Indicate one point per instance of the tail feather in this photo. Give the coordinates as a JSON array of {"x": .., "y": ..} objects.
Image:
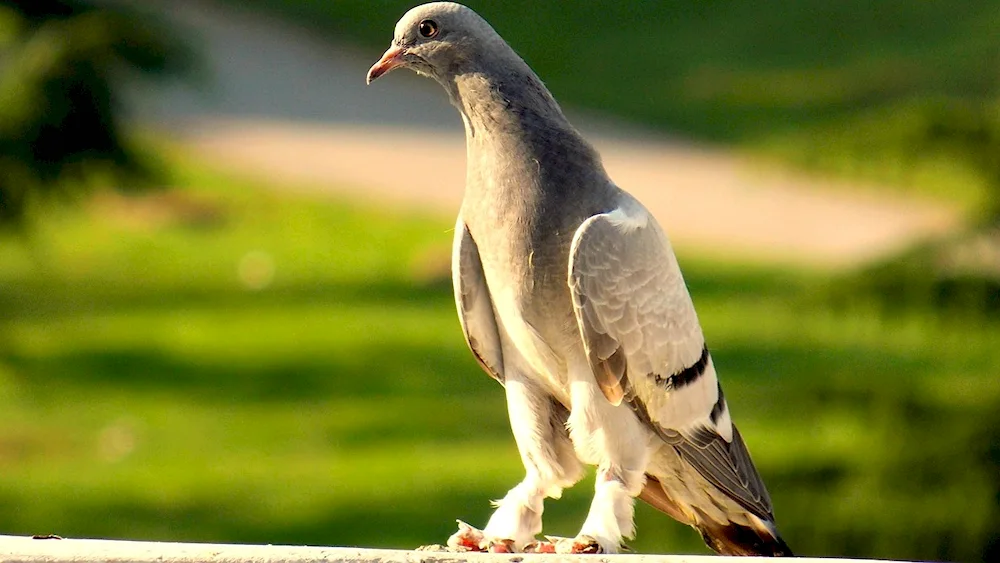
[
  {"x": 656, "y": 497},
  {"x": 736, "y": 539},
  {"x": 727, "y": 538}
]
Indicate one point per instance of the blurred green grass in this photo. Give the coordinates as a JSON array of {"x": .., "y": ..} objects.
[
  {"x": 830, "y": 86},
  {"x": 228, "y": 362}
]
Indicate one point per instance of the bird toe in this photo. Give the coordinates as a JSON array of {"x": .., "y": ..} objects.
[
  {"x": 586, "y": 544},
  {"x": 539, "y": 546},
  {"x": 467, "y": 538},
  {"x": 495, "y": 545}
]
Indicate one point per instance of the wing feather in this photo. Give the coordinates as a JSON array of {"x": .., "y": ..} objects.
[
  {"x": 646, "y": 347},
  {"x": 475, "y": 308}
]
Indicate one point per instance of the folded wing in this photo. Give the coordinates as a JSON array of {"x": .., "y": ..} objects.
[
  {"x": 475, "y": 308},
  {"x": 646, "y": 347}
]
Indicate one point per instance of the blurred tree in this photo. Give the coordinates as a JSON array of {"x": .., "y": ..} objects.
[
  {"x": 62, "y": 65},
  {"x": 968, "y": 131}
]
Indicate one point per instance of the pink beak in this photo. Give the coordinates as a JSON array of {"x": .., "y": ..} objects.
[{"x": 392, "y": 58}]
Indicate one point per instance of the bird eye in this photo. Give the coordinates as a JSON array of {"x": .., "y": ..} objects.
[{"x": 427, "y": 29}]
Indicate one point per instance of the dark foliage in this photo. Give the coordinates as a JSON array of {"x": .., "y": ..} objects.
[
  {"x": 969, "y": 131},
  {"x": 62, "y": 66}
]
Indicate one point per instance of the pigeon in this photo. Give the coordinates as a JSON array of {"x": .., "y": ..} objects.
[{"x": 569, "y": 294}]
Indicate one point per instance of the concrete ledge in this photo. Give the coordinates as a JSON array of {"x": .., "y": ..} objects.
[{"x": 15, "y": 549}]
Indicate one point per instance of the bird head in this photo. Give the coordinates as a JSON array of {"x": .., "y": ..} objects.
[{"x": 440, "y": 40}]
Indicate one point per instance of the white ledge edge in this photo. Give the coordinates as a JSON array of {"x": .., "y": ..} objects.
[{"x": 17, "y": 549}]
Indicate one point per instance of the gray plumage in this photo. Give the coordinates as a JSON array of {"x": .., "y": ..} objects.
[{"x": 570, "y": 295}]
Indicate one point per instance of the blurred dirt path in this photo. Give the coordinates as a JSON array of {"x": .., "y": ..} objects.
[{"x": 289, "y": 106}]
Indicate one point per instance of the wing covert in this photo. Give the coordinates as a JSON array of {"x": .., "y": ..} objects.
[
  {"x": 632, "y": 307},
  {"x": 475, "y": 308}
]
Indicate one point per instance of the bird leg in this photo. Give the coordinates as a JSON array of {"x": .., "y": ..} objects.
[
  {"x": 514, "y": 523},
  {"x": 611, "y": 512},
  {"x": 611, "y": 437},
  {"x": 539, "y": 426},
  {"x": 469, "y": 538},
  {"x": 610, "y": 519}
]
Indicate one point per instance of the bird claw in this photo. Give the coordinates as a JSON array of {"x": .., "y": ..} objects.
[
  {"x": 500, "y": 546},
  {"x": 577, "y": 545},
  {"x": 586, "y": 544},
  {"x": 539, "y": 546},
  {"x": 469, "y": 538}
]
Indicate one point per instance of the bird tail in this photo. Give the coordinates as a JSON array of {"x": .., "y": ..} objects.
[
  {"x": 730, "y": 538},
  {"x": 736, "y": 539}
]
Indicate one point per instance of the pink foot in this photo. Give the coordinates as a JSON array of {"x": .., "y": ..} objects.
[
  {"x": 466, "y": 538},
  {"x": 540, "y": 547},
  {"x": 579, "y": 544},
  {"x": 500, "y": 546}
]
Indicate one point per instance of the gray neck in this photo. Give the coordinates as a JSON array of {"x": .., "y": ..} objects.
[
  {"x": 503, "y": 104},
  {"x": 515, "y": 127}
]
